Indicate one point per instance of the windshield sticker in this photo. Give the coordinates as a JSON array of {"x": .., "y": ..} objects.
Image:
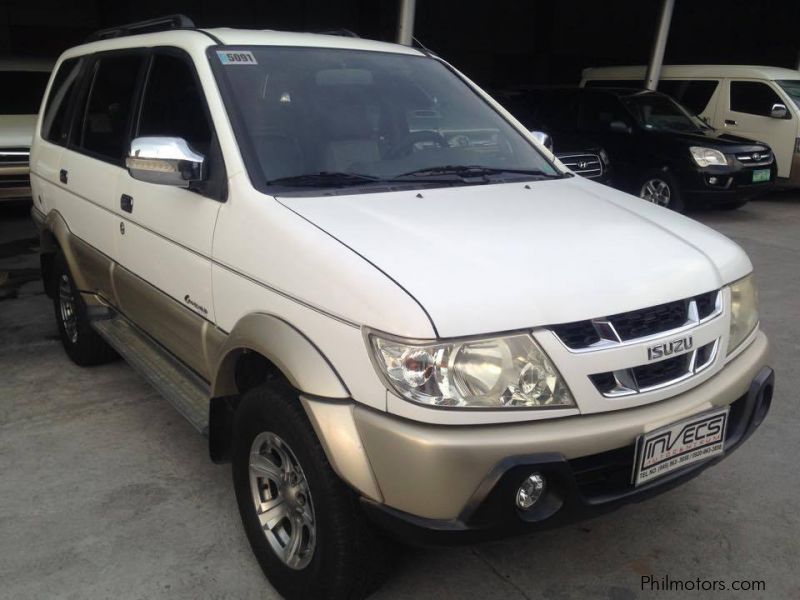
[{"x": 236, "y": 58}]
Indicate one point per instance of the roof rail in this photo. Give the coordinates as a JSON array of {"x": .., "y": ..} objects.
[
  {"x": 158, "y": 24},
  {"x": 339, "y": 32}
]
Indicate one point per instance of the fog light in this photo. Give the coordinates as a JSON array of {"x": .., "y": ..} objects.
[
  {"x": 712, "y": 180},
  {"x": 530, "y": 491}
]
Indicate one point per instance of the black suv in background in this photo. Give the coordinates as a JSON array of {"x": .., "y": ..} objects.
[
  {"x": 581, "y": 156},
  {"x": 660, "y": 151}
]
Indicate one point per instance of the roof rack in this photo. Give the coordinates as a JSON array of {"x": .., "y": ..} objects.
[{"x": 158, "y": 24}]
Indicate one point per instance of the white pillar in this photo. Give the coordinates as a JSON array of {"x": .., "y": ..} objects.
[
  {"x": 659, "y": 45},
  {"x": 405, "y": 24}
]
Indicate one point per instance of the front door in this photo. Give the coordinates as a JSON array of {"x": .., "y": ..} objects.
[
  {"x": 166, "y": 232},
  {"x": 746, "y": 112}
]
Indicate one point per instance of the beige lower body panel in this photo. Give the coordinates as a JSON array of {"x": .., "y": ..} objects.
[
  {"x": 102, "y": 281},
  {"x": 432, "y": 471}
]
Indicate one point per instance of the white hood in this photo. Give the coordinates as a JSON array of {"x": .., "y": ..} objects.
[
  {"x": 493, "y": 258},
  {"x": 16, "y": 131}
]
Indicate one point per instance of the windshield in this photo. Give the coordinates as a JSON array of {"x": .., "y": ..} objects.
[
  {"x": 22, "y": 91},
  {"x": 656, "y": 111},
  {"x": 791, "y": 87},
  {"x": 311, "y": 116}
]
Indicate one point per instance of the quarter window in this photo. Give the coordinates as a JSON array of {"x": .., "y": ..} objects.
[
  {"x": 753, "y": 97},
  {"x": 173, "y": 104},
  {"x": 55, "y": 126},
  {"x": 108, "y": 109}
]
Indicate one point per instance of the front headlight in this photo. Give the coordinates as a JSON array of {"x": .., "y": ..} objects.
[
  {"x": 604, "y": 156},
  {"x": 744, "y": 311},
  {"x": 495, "y": 372},
  {"x": 706, "y": 157}
]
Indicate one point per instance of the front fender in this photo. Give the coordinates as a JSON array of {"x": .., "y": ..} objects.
[{"x": 300, "y": 361}]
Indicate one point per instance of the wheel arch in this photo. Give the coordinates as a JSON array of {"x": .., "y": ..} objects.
[{"x": 283, "y": 346}]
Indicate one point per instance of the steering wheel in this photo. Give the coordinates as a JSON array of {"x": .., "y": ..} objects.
[{"x": 404, "y": 145}]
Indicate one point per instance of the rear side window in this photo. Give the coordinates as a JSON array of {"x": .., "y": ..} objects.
[
  {"x": 173, "y": 104},
  {"x": 107, "y": 115},
  {"x": 753, "y": 97},
  {"x": 694, "y": 94},
  {"x": 55, "y": 124}
]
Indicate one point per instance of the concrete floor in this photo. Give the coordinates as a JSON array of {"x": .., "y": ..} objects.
[{"x": 106, "y": 493}]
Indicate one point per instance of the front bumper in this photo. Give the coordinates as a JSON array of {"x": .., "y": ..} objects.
[
  {"x": 451, "y": 484},
  {"x": 15, "y": 183},
  {"x": 731, "y": 184},
  {"x": 577, "y": 489}
]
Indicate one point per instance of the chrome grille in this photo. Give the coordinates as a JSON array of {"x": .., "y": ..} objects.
[
  {"x": 755, "y": 158},
  {"x": 586, "y": 165},
  {"x": 639, "y": 324},
  {"x": 656, "y": 375},
  {"x": 12, "y": 157}
]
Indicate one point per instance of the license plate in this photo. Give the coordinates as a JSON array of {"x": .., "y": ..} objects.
[
  {"x": 679, "y": 445},
  {"x": 760, "y": 175}
]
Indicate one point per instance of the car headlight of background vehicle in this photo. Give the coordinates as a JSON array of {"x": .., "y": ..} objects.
[
  {"x": 707, "y": 157},
  {"x": 744, "y": 311},
  {"x": 496, "y": 372},
  {"x": 603, "y": 156}
]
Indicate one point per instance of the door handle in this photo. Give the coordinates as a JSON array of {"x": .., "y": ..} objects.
[
  {"x": 730, "y": 122},
  {"x": 126, "y": 203},
  {"x": 62, "y": 175}
]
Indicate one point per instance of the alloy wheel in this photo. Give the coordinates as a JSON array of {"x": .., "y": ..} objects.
[
  {"x": 656, "y": 191},
  {"x": 282, "y": 500},
  {"x": 66, "y": 303}
]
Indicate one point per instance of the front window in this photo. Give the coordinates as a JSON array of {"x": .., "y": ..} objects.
[
  {"x": 659, "y": 112},
  {"x": 791, "y": 87},
  {"x": 321, "y": 117}
]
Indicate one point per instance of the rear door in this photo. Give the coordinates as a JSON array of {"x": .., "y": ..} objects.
[
  {"x": 92, "y": 162},
  {"x": 745, "y": 112},
  {"x": 168, "y": 230},
  {"x": 53, "y": 134}
]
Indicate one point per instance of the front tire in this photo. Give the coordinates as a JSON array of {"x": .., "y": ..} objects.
[
  {"x": 82, "y": 344},
  {"x": 305, "y": 526},
  {"x": 660, "y": 188}
]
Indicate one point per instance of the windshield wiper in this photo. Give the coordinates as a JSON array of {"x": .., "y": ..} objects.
[
  {"x": 470, "y": 171},
  {"x": 324, "y": 178}
]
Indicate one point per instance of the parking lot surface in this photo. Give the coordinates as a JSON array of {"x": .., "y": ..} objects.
[{"x": 105, "y": 492}]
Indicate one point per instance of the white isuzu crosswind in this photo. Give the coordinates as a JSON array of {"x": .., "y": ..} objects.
[{"x": 387, "y": 305}]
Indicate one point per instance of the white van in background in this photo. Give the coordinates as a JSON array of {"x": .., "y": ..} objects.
[
  {"x": 762, "y": 103},
  {"x": 22, "y": 84}
]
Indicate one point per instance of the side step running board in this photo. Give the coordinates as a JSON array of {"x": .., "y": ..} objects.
[{"x": 187, "y": 392}]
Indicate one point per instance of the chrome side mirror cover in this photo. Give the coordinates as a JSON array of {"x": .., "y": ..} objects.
[
  {"x": 543, "y": 138},
  {"x": 166, "y": 161},
  {"x": 779, "y": 111}
]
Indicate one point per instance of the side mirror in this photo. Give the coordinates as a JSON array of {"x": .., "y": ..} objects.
[
  {"x": 165, "y": 160},
  {"x": 544, "y": 139},
  {"x": 619, "y": 127},
  {"x": 779, "y": 111}
]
